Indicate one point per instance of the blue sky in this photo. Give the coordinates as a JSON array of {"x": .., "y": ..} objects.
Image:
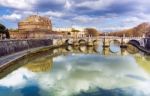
[{"x": 102, "y": 14}]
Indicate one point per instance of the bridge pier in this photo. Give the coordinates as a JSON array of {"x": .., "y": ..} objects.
[
  {"x": 123, "y": 44},
  {"x": 75, "y": 43},
  {"x": 90, "y": 43},
  {"x": 106, "y": 43},
  {"x": 106, "y": 51}
]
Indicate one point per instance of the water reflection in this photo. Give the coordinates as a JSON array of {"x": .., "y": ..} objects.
[
  {"x": 115, "y": 46},
  {"x": 40, "y": 65},
  {"x": 79, "y": 71}
]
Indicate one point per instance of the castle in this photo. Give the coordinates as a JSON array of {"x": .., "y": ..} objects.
[{"x": 33, "y": 26}]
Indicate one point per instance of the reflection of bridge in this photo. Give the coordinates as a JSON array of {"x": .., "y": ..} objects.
[
  {"x": 94, "y": 40},
  {"x": 93, "y": 50}
]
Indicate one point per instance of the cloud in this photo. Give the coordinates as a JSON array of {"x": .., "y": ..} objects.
[
  {"x": 84, "y": 19},
  {"x": 110, "y": 29},
  {"x": 12, "y": 17},
  {"x": 21, "y": 4},
  {"x": 46, "y": 5},
  {"x": 8, "y": 81},
  {"x": 52, "y": 13},
  {"x": 81, "y": 12},
  {"x": 67, "y": 4},
  {"x": 81, "y": 77},
  {"x": 96, "y": 4}
]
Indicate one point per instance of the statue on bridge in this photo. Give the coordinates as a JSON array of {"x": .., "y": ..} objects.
[{"x": 4, "y": 32}]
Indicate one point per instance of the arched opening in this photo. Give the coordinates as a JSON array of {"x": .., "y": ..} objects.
[
  {"x": 134, "y": 42},
  {"x": 115, "y": 46},
  {"x": 115, "y": 42},
  {"x": 82, "y": 42},
  {"x": 95, "y": 42},
  {"x": 69, "y": 33},
  {"x": 83, "y": 49},
  {"x": 69, "y": 48},
  {"x": 68, "y": 42}
]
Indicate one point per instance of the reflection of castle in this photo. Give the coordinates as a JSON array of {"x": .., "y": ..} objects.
[
  {"x": 33, "y": 26},
  {"x": 40, "y": 65}
]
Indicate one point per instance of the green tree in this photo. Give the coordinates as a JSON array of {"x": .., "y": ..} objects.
[{"x": 4, "y": 31}]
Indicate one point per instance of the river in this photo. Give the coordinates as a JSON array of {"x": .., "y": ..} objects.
[{"x": 80, "y": 71}]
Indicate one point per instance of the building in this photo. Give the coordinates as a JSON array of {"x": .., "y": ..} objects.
[
  {"x": 72, "y": 32},
  {"x": 33, "y": 26},
  {"x": 35, "y": 22}
]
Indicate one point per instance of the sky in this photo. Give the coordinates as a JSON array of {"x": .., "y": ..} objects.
[{"x": 105, "y": 15}]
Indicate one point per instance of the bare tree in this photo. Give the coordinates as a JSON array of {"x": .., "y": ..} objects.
[{"x": 91, "y": 32}]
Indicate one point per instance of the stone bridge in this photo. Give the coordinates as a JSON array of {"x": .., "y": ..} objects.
[{"x": 106, "y": 40}]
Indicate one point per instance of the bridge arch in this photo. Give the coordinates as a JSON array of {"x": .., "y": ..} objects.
[
  {"x": 116, "y": 41},
  {"x": 115, "y": 46},
  {"x": 95, "y": 42},
  {"x": 68, "y": 41},
  {"x": 134, "y": 42},
  {"x": 83, "y": 49},
  {"x": 82, "y": 42},
  {"x": 69, "y": 48}
]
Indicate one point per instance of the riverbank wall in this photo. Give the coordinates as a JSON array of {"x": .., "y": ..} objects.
[
  {"x": 8, "y": 47},
  {"x": 18, "y": 61}
]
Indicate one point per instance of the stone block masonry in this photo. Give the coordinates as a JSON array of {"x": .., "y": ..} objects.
[{"x": 8, "y": 47}]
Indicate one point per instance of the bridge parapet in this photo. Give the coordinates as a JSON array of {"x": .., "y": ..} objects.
[{"x": 96, "y": 37}]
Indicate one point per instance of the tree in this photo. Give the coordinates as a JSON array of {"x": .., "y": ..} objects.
[
  {"x": 75, "y": 32},
  {"x": 91, "y": 32},
  {"x": 4, "y": 31}
]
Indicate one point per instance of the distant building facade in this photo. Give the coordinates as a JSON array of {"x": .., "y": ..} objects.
[{"x": 70, "y": 32}]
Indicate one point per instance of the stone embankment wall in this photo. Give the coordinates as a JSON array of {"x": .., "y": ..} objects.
[{"x": 12, "y": 46}]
